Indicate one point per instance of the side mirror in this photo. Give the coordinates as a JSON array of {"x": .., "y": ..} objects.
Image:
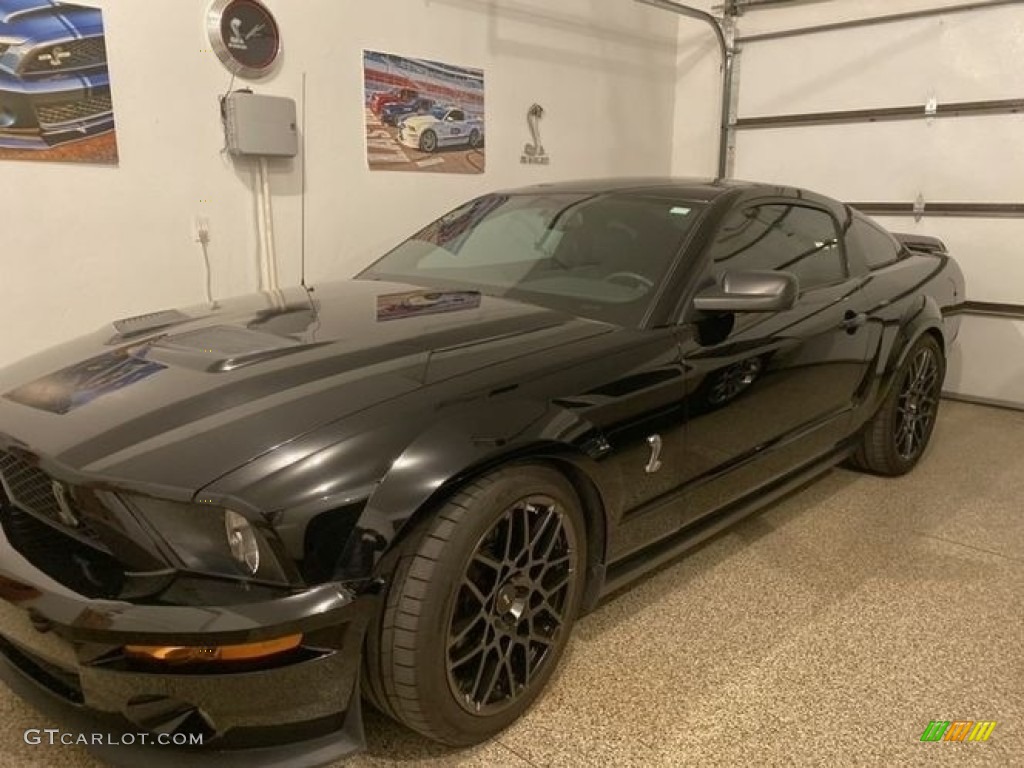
[{"x": 750, "y": 292}]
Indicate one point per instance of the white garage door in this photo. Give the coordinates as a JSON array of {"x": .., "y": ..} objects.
[{"x": 895, "y": 113}]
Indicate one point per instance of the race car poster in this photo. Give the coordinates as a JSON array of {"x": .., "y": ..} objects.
[
  {"x": 423, "y": 116},
  {"x": 55, "y": 103}
]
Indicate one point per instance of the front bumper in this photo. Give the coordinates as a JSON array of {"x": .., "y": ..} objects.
[
  {"x": 411, "y": 140},
  {"x": 60, "y": 651},
  {"x": 39, "y": 114}
]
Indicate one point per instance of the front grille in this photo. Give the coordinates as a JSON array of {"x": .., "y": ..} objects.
[
  {"x": 87, "y": 570},
  {"x": 49, "y": 532},
  {"x": 78, "y": 110},
  {"x": 67, "y": 57},
  {"x": 30, "y": 488}
]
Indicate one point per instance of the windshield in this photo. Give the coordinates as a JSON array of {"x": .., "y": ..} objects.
[{"x": 595, "y": 256}]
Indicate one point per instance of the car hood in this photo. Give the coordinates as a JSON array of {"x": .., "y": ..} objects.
[
  {"x": 38, "y": 21},
  {"x": 177, "y": 399},
  {"x": 420, "y": 121}
]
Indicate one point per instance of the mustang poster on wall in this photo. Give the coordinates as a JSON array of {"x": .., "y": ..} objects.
[
  {"x": 55, "y": 102},
  {"x": 422, "y": 115}
]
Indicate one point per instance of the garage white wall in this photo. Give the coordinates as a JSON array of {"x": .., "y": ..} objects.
[
  {"x": 628, "y": 90},
  {"x": 698, "y": 97},
  {"x": 967, "y": 56},
  {"x": 82, "y": 245}
]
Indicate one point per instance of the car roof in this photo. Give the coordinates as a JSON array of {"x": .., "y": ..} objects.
[
  {"x": 700, "y": 189},
  {"x": 694, "y": 189}
]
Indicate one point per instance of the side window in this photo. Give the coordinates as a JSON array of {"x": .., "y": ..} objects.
[
  {"x": 789, "y": 238},
  {"x": 876, "y": 246}
]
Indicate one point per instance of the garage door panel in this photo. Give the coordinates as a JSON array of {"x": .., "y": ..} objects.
[
  {"x": 988, "y": 360},
  {"x": 990, "y": 251},
  {"x": 804, "y": 13},
  {"x": 969, "y": 56},
  {"x": 966, "y": 56},
  {"x": 975, "y": 159}
]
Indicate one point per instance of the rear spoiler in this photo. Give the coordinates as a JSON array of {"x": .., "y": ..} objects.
[{"x": 922, "y": 244}]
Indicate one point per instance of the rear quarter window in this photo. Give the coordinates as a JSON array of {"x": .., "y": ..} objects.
[
  {"x": 778, "y": 236},
  {"x": 876, "y": 247}
]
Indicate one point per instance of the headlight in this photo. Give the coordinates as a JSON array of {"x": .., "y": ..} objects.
[
  {"x": 18, "y": 48},
  {"x": 245, "y": 547},
  {"x": 210, "y": 539}
]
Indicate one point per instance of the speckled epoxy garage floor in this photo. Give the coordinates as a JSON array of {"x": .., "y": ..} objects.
[{"x": 827, "y": 630}]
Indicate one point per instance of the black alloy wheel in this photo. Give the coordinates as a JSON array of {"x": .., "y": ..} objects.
[
  {"x": 481, "y": 605},
  {"x": 897, "y": 435},
  {"x": 917, "y": 404},
  {"x": 511, "y": 605}
]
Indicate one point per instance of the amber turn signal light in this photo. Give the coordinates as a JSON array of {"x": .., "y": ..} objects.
[{"x": 197, "y": 654}]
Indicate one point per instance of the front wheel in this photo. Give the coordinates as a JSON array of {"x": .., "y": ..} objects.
[
  {"x": 481, "y": 607},
  {"x": 896, "y": 437},
  {"x": 428, "y": 142}
]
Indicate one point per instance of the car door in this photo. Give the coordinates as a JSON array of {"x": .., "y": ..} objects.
[
  {"x": 769, "y": 392},
  {"x": 632, "y": 391},
  {"x": 454, "y": 127}
]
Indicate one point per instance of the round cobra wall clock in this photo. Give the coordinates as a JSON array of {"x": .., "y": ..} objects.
[{"x": 245, "y": 36}]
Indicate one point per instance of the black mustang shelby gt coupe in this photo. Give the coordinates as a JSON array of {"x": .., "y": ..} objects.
[{"x": 234, "y": 525}]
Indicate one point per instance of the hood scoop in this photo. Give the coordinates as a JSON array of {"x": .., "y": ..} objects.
[
  {"x": 223, "y": 348},
  {"x": 144, "y": 324}
]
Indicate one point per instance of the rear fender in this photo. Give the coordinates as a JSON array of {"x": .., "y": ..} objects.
[{"x": 924, "y": 316}]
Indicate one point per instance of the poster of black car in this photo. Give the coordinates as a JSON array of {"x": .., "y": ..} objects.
[
  {"x": 423, "y": 115},
  {"x": 55, "y": 101}
]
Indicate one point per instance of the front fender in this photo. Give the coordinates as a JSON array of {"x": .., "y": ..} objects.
[
  {"x": 339, "y": 504},
  {"x": 464, "y": 445}
]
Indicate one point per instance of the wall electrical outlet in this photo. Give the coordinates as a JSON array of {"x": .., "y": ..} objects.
[{"x": 201, "y": 229}]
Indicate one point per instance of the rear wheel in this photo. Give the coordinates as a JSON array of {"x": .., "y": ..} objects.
[
  {"x": 896, "y": 437},
  {"x": 475, "y": 140},
  {"x": 481, "y": 606}
]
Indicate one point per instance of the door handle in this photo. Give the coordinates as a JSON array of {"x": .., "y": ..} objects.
[{"x": 853, "y": 320}]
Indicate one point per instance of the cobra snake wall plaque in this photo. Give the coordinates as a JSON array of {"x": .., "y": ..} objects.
[{"x": 533, "y": 153}]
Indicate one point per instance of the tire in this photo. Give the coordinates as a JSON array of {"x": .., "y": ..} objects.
[
  {"x": 474, "y": 139},
  {"x": 428, "y": 142},
  {"x": 896, "y": 437},
  {"x": 466, "y": 641}
]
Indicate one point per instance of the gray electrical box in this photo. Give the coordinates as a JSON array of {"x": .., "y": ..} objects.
[{"x": 265, "y": 126}]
